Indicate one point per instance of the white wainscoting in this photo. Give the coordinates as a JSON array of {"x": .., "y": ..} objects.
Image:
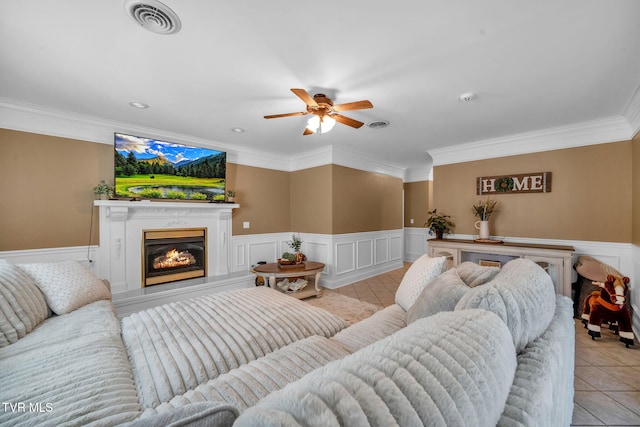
[
  {"x": 347, "y": 257},
  {"x": 415, "y": 243},
  {"x": 84, "y": 254}
]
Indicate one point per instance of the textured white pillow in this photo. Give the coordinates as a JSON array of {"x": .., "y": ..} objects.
[
  {"x": 522, "y": 295},
  {"x": 441, "y": 294},
  {"x": 475, "y": 275},
  {"x": 67, "y": 285},
  {"x": 421, "y": 272},
  {"x": 22, "y": 305}
]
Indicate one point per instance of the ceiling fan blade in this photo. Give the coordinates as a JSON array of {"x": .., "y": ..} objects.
[
  {"x": 306, "y": 98},
  {"x": 307, "y": 132},
  {"x": 358, "y": 105},
  {"x": 275, "y": 116},
  {"x": 347, "y": 121}
]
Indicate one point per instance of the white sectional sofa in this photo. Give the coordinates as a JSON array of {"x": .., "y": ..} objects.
[{"x": 470, "y": 346}]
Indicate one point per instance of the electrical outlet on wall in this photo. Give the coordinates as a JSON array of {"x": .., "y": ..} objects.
[{"x": 246, "y": 224}]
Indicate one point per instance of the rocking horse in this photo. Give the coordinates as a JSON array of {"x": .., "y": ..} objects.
[{"x": 608, "y": 305}]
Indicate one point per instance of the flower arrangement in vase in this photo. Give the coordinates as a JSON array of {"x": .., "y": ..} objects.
[{"x": 484, "y": 210}]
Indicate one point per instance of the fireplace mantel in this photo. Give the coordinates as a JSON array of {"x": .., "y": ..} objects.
[{"x": 122, "y": 224}]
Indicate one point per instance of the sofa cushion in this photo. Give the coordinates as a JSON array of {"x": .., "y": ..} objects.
[
  {"x": 67, "y": 285},
  {"x": 453, "y": 368},
  {"x": 72, "y": 370},
  {"x": 441, "y": 294},
  {"x": 201, "y": 414},
  {"x": 379, "y": 325},
  {"x": 421, "y": 272},
  {"x": 475, "y": 275},
  {"x": 246, "y": 385},
  {"x": 542, "y": 389},
  {"x": 522, "y": 294},
  {"x": 22, "y": 305},
  {"x": 176, "y": 347}
]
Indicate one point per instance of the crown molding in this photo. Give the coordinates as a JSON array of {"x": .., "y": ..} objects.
[
  {"x": 36, "y": 119},
  {"x": 602, "y": 131},
  {"x": 632, "y": 111}
]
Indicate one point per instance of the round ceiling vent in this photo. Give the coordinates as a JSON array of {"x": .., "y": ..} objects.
[
  {"x": 153, "y": 16},
  {"x": 378, "y": 125}
]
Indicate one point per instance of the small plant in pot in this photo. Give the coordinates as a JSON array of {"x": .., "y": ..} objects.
[
  {"x": 103, "y": 190},
  {"x": 293, "y": 258},
  {"x": 439, "y": 223},
  {"x": 231, "y": 195}
]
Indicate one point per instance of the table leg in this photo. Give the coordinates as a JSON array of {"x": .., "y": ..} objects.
[
  {"x": 317, "y": 283},
  {"x": 272, "y": 281}
]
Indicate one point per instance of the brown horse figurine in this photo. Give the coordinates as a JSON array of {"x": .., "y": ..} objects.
[{"x": 608, "y": 305}]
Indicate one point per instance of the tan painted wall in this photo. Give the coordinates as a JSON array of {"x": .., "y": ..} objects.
[
  {"x": 46, "y": 189},
  {"x": 263, "y": 196},
  {"x": 590, "y": 199},
  {"x": 334, "y": 199},
  {"x": 311, "y": 200},
  {"x": 416, "y": 203},
  {"x": 636, "y": 189},
  {"x": 365, "y": 201},
  {"x": 52, "y": 178}
]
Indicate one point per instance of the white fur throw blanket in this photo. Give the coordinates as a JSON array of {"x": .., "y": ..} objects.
[
  {"x": 450, "y": 369},
  {"x": 175, "y": 347}
]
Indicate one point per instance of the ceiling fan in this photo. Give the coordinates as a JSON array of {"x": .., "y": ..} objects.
[{"x": 325, "y": 113}]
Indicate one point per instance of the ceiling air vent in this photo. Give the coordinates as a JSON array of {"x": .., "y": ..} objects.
[
  {"x": 153, "y": 16},
  {"x": 378, "y": 125}
]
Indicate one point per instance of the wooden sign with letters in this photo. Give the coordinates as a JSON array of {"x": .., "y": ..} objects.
[{"x": 537, "y": 182}]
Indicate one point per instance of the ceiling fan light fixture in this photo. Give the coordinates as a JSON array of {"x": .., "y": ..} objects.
[{"x": 319, "y": 124}]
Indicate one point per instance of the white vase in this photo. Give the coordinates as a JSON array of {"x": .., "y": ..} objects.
[{"x": 483, "y": 226}]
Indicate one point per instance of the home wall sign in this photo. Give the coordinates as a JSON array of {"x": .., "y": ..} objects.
[{"x": 536, "y": 182}]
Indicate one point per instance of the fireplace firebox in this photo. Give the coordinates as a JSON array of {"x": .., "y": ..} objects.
[{"x": 173, "y": 254}]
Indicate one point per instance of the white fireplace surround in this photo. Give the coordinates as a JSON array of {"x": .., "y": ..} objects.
[{"x": 122, "y": 223}]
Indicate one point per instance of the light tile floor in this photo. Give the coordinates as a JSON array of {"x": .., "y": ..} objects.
[{"x": 607, "y": 374}]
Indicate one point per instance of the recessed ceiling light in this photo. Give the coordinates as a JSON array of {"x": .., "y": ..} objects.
[
  {"x": 467, "y": 97},
  {"x": 378, "y": 124},
  {"x": 140, "y": 105},
  {"x": 237, "y": 130}
]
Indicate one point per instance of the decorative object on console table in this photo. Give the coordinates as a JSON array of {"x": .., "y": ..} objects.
[
  {"x": 439, "y": 223},
  {"x": 297, "y": 257},
  {"x": 103, "y": 190},
  {"x": 484, "y": 210}
]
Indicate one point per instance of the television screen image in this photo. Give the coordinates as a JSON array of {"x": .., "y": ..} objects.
[{"x": 148, "y": 168}]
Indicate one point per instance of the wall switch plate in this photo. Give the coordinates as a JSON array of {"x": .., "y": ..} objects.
[{"x": 246, "y": 224}]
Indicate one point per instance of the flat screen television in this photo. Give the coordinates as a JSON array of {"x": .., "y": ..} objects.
[{"x": 149, "y": 168}]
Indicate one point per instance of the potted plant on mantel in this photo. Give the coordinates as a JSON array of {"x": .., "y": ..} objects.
[
  {"x": 231, "y": 196},
  {"x": 439, "y": 223},
  {"x": 103, "y": 190}
]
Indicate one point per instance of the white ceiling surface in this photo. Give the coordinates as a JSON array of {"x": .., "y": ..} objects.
[{"x": 533, "y": 65}]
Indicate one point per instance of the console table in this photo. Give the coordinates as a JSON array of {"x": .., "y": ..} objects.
[
  {"x": 555, "y": 259},
  {"x": 271, "y": 272}
]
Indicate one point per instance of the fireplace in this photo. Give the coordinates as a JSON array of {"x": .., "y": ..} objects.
[{"x": 173, "y": 254}]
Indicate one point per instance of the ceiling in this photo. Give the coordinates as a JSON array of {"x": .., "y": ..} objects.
[{"x": 533, "y": 65}]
